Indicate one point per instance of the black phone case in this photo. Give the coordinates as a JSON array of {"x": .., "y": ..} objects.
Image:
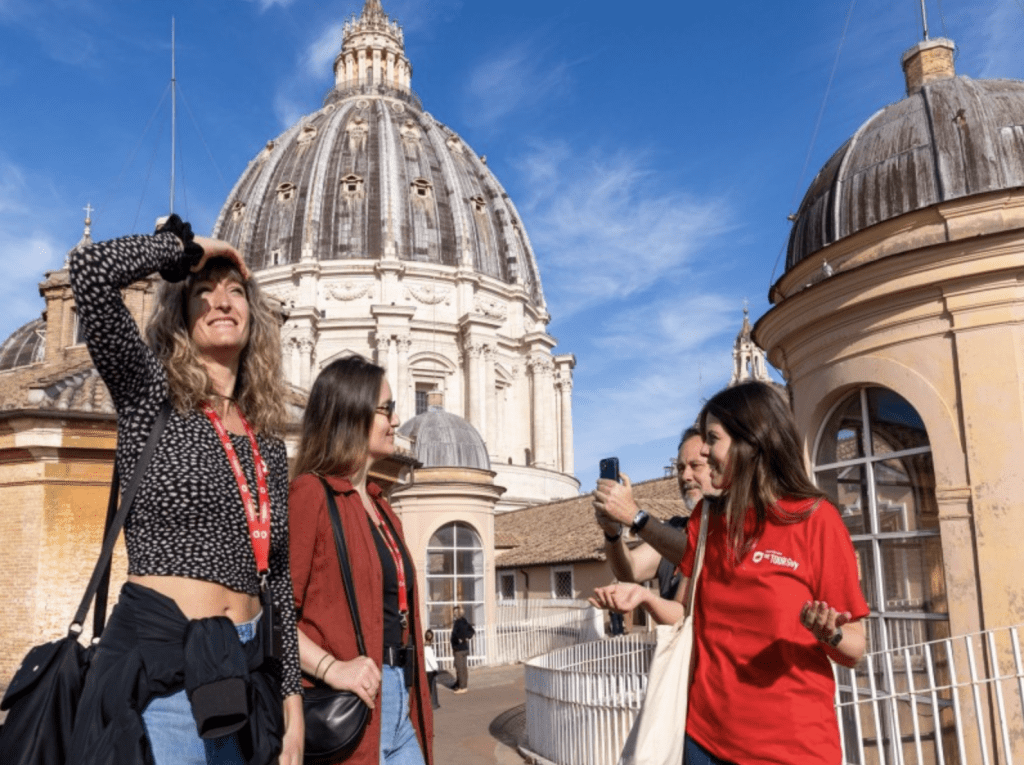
[{"x": 609, "y": 468}]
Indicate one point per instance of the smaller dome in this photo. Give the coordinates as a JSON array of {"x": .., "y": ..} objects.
[
  {"x": 442, "y": 439},
  {"x": 25, "y": 346}
]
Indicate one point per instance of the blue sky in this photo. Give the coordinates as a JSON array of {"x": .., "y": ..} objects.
[{"x": 654, "y": 150}]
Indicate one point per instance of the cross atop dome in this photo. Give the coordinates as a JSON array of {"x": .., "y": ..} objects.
[{"x": 372, "y": 58}]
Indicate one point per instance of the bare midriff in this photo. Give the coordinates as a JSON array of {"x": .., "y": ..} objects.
[{"x": 199, "y": 599}]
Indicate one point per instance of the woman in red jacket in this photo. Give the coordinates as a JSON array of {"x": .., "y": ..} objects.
[{"x": 350, "y": 423}]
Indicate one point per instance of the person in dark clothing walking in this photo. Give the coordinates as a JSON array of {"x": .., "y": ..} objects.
[{"x": 462, "y": 633}]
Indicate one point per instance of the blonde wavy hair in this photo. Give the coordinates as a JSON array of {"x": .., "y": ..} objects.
[{"x": 260, "y": 391}]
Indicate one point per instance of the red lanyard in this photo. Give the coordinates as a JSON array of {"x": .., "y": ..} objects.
[
  {"x": 259, "y": 526},
  {"x": 396, "y": 554}
]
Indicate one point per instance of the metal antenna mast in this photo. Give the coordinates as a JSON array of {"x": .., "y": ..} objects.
[
  {"x": 924, "y": 19},
  {"x": 174, "y": 112}
]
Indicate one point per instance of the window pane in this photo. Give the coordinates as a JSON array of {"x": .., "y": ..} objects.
[
  {"x": 443, "y": 537},
  {"x": 507, "y": 585},
  {"x": 895, "y": 425},
  {"x": 842, "y": 439},
  {"x": 848, "y": 487},
  {"x": 440, "y": 616},
  {"x": 440, "y": 562},
  {"x": 866, "y": 569},
  {"x": 563, "y": 584},
  {"x": 466, "y": 537},
  {"x": 913, "y": 575},
  {"x": 440, "y": 589},
  {"x": 470, "y": 588},
  {"x": 469, "y": 562}
]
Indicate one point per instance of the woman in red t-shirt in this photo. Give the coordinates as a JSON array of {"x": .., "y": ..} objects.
[{"x": 778, "y": 596}]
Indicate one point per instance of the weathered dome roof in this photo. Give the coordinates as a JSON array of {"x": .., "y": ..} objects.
[
  {"x": 955, "y": 137},
  {"x": 442, "y": 439},
  {"x": 26, "y": 345},
  {"x": 373, "y": 176}
]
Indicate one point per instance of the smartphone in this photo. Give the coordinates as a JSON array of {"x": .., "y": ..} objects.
[{"x": 610, "y": 468}]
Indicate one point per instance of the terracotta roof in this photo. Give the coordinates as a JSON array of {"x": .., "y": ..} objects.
[{"x": 565, "y": 531}]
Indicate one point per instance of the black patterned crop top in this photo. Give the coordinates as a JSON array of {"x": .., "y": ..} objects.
[{"x": 188, "y": 519}]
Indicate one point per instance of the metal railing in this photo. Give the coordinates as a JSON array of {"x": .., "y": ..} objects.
[
  {"x": 523, "y": 631},
  {"x": 954, "y": 701},
  {"x": 581, "y": 701},
  {"x": 958, "y": 700}
]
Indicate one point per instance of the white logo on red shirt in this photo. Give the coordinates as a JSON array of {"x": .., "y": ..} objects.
[{"x": 775, "y": 558}]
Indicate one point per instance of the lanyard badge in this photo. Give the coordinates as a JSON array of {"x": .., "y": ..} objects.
[{"x": 257, "y": 515}]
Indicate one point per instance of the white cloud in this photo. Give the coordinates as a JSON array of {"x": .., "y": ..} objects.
[
  {"x": 27, "y": 248},
  {"x": 605, "y": 227},
  {"x": 512, "y": 80},
  {"x": 320, "y": 54},
  {"x": 1001, "y": 30},
  {"x": 265, "y": 4}
]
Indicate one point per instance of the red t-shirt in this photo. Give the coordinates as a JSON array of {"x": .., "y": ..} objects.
[{"x": 763, "y": 687}]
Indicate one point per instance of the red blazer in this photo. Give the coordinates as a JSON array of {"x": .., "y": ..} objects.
[{"x": 320, "y": 595}]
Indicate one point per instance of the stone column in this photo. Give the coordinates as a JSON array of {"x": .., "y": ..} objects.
[
  {"x": 542, "y": 368},
  {"x": 402, "y": 394},
  {"x": 305, "y": 348},
  {"x": 473, "y": 353},
  {"x": 489, "y": 432},
  {"x": 567, "y": 460},
  {"x": 383, "y": 349}
]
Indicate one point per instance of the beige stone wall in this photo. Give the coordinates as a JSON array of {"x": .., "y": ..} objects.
[
  {"x": 54, "y": 485},
  {"x": 939, "y": 319}
]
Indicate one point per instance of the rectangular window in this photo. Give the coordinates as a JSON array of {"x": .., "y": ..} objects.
[
  {"x": 561, "y": 583},
  {"x": 507, "y": 586}
]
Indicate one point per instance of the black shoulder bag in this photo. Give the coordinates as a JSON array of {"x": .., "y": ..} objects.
[
  {"x": 42, "y": 698},
  {"x": 335, "y": 719}
]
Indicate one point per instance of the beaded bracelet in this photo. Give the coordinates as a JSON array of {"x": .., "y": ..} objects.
[{"x": 193, "y": 251}]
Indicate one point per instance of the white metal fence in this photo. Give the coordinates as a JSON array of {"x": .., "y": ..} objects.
[
  {"x": 524, "y": 629},
  {"x": 959, "y": 700},
  {"x": 581, "y": 701},
  {"x": 955, "y": 701}
]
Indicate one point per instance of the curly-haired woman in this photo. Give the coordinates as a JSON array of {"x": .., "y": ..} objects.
[{"x": 199, "y": 662}]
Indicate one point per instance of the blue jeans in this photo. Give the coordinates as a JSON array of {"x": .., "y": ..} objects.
[
  {"x": 695, "y": 754},
  {"x": 171, "y": 728},
  {"x": 398, "y": 742}
]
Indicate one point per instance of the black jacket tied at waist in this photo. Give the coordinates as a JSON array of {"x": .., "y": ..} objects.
[{"x": 143, "y": 653}]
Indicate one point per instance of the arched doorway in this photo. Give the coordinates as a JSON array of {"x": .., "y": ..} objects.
[{"x": 874, "y": 457}]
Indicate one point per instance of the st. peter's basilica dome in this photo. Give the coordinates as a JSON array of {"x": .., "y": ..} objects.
[{"x": 382, "y": 233}]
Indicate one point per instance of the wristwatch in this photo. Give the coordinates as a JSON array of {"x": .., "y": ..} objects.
[
  {"x": 639, "y": 521},
  {"x": 836, "y": 638},
  {"x": 613, "y": 537}
]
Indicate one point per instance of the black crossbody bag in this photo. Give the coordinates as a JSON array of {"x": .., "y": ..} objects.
[
  {"x": 335, "y": 719},
  {"x": 42, "y": 699}
]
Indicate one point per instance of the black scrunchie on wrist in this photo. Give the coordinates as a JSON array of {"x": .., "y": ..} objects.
[{"x": 193, "y": 251}]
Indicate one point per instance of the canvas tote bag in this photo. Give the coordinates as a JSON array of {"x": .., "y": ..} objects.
[{"x": 659, "y": 729}]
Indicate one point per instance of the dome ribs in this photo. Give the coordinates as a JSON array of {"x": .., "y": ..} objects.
[{"x": 953, "y": 138}]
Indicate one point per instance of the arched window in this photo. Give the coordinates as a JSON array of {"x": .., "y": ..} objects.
[
  {"x": 455, "y": 576},
  {"x": 873, "y": 456}
]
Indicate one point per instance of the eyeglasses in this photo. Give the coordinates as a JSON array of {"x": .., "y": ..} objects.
[{"x": 387, "y": 408}]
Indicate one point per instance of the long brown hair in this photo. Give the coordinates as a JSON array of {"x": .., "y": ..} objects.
[
  {"x": 260, "y": 390},
  {"x": 765, "y": 461},
  {"x": 336, "y": 425}
]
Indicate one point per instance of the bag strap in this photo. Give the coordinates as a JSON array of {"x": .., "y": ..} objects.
[
  {"x": 346, "y": 571},
  {"x": 698, "y": 561},
  {"x": 99, "y": 582}
]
